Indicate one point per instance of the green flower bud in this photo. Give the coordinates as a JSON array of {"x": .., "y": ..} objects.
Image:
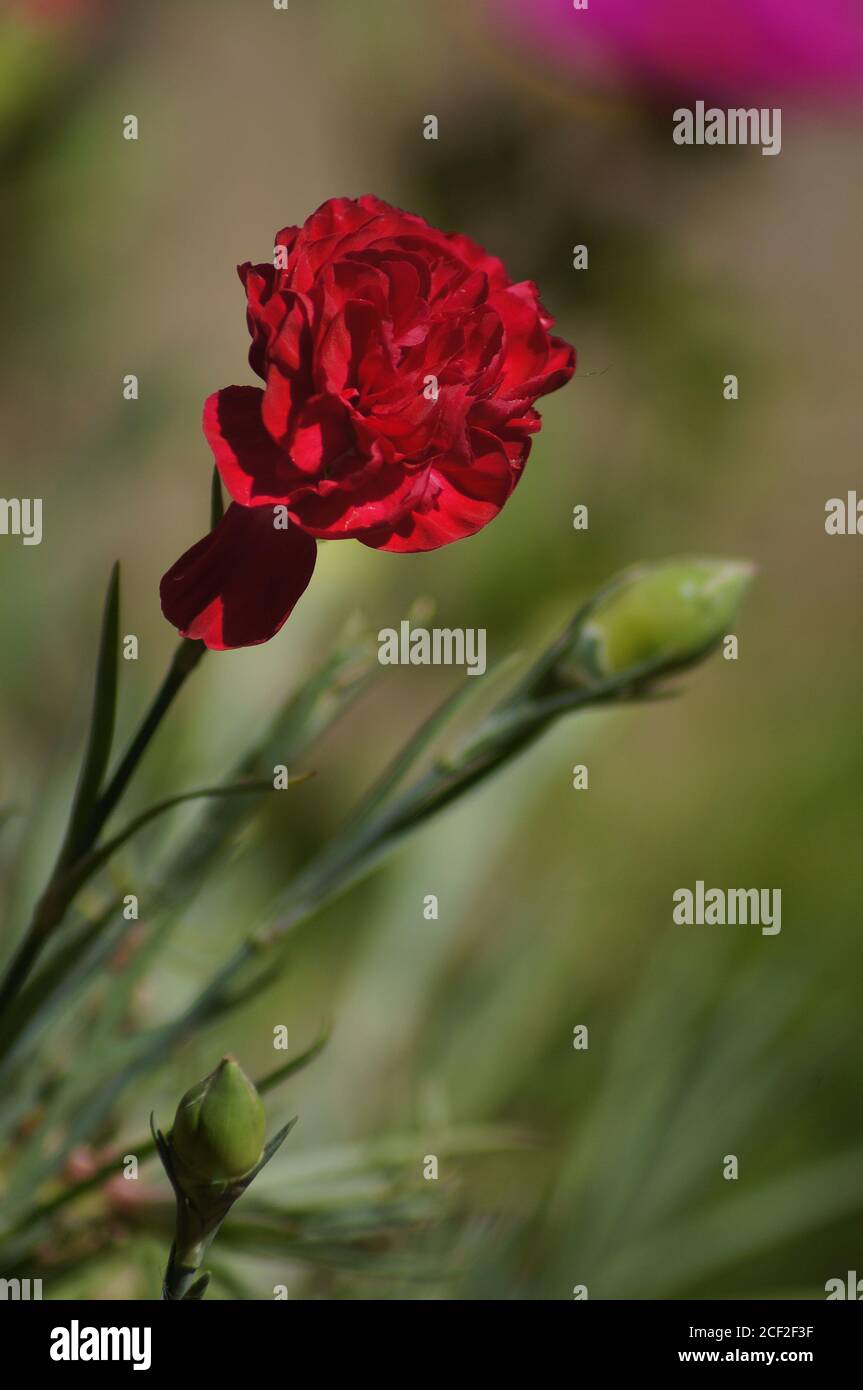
[
  {"x": 218, "y": 1133},
  {"x": 657, "y": 617}
]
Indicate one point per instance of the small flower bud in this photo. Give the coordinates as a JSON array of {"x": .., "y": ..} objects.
[
  {"x": 218, "y": 1133},
  {"x": 655, "y": 618}
]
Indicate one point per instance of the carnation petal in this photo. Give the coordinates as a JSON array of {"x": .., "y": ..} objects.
[
  {"x": 460, "y": 499},
  {"x": 238, "y": 585},
  {"x": 252, "y": 466}
]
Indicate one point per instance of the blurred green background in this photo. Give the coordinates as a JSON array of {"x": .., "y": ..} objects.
[{"x": 555, "y": 905}]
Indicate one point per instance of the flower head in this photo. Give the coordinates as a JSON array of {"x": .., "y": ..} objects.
[{"x": 400, "y": 369}]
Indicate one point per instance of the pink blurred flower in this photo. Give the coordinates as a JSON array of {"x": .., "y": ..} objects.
[{"x": 747, "y": 50}]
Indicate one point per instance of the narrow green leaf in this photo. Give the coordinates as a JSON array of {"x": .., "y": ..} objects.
[
  {"x": 306, "y": 715},
  {"x": 271, "y": 1148},
  {"x": 46, "y": 992},
  {"x": 425, "y": 735},
  {"x": 91, "y": 863},
  {"x": 101, "y": 735},
  {"x": 280, "y": 1074}
]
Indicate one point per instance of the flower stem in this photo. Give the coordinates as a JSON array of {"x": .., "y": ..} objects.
[
  {"x": 61, "y": 888},
  {"x": 186, "y": 658},
  {"x": 181, "y": 1272}
]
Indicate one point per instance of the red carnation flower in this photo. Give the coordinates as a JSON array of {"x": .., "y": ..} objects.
[{"x": 400, "y": 368}]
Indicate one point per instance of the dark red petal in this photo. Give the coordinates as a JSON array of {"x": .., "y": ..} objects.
[
  {"x": 237, "y": 586},
  {"x": 352, "y": 348},
  {"x": 322, "y": 435},
  {"x": 328, "y": 231},
  {"x": 254, "y": 469},
  {"x": 280, "y": 404},
  {"x": 478, "y": 259},
  {"x": 459, "y": 499},
  {"x": 526, "y": 341},
  {"x": 286, "y": 237},
  {"x": 339, "y": 512},
  {"x": 258, "y": 282},
  {"x": 559, "y": 368}
]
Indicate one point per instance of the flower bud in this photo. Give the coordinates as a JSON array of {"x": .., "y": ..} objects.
[
  {"x": 657, "y": 617},
  {"x": 218, "y": 1133}
]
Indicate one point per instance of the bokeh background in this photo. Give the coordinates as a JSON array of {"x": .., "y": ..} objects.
[{"x": 454, "y": 1037}]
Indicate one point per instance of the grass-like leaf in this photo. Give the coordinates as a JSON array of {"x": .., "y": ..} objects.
[
  {"x": 91, "y": 863},
  {"x": 101, "y": 734}
]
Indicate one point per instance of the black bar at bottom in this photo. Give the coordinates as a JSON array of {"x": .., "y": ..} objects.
[{"x": 257, "y": 1339}]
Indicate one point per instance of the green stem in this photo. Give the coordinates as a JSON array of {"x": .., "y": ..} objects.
[
  {"x": 61, "y": 888},
  {"x": 181, "y": 1272},
  {"x": 186, "y": 658}
]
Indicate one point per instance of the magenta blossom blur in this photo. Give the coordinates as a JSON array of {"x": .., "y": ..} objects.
[{"x": 735, "y": 50}]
